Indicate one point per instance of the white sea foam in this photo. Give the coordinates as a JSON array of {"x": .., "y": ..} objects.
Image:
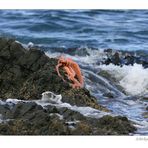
[
  {"x": 86, "y": 111},
  {"x": 14, "y": 101},
  {"x": 49, "y": 96},
  {"x": 2, "y": 102},
  {"x": 93, "y": 57},
  {"x": 134, "y": 79}
]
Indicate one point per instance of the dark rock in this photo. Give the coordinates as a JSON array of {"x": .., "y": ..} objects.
[
  {"x": 4, "y": 110},
  {"x": 70, "y": 115},
  {"x": 145, "y": 114},
  {"x": 145, "y": 98},
  {"x": 107, "y": 75},
  {"x": 109, "y": 95},
  {"x": 129, "y": 59},
  {"x": 43, "y": 124},
  {"x": 116, "y": 59},
  {"x": 26, "y": 74},
  {"x": 82, "y": 128},
  {"x": 126, "y": 58},
  {"x": 33, "y": 60},
  {"x": 77, "y": 51},
  {"x": 51, "y": 109},
  {"x": 106, "y": 125},
  {"x": 116, "y": 125},
  {"x": 81, "y": 97},
  {"x": 31, "y": 119},
  {"x": 24, "y": 109},
  {"x": 109, "y": 50},
  {"x": 107, "y": 61}
]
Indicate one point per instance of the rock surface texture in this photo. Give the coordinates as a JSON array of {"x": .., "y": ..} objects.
[{"x": 25, "y": 74}]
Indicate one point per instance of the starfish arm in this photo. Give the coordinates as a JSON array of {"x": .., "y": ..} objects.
[
  {"x": 57, "y": 69},
  {"x": 76, "y": 83},
  {"x": 70, "y": 74},
  {"x": 77, "y": 70},
  {"x": 72, "y": 71}
]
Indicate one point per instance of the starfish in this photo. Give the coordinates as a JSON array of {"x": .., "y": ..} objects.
[{"x": 72, "y": 70}]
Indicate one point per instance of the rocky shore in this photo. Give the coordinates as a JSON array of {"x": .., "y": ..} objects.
[{"x": 25, "y": 74}]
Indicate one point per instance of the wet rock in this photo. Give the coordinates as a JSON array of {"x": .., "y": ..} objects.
[
  {"x": 70, "y": 115},
  {"x": 107, "y": 75},
  {"x": 51, "y": 109},
  {"x": 52, "y": 126},
  {"x": 24, "y": 110},
  {"x": 129, "y": 59},
  {"x": 77, "y": 51},
  {"x": 116, "y": 125},
  {"x": 109, "y": 50},
  {"x": 81, "y": 97},
  {"x": 33, "y": 60},
  {"x": 4, "y": 111},
  {"x": 106, "y": 125},
  {"x": 145, "y": 114},
  {"x": 145, "y": 98},
  {"x": 82, "y": 129},
  {"x": 113, "y": 81},
  {"x": 107, "y": 61},
  {"x": 145, "y": 63},
  {"x": 31, "y": 119},
  {"x": 109, "y": 95},
  {"x": 26, "y": 74},
  {"x": 113, "y": 58},
  {"x": 116, "y": 59},
  {"x": 121, "y": 58}
]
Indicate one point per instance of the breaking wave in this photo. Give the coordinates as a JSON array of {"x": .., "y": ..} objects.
[{"x": 134, "y": 79}]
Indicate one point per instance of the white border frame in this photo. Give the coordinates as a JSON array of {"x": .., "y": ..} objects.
[{"x": 73, "y": 4}]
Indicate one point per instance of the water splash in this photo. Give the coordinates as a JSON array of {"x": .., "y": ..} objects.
[{"x": 134, "y": 79}]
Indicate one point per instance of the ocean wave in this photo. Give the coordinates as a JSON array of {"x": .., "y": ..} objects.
[
  {"x": 132, "y": 78},
  {"x": 98, "y": 28}
]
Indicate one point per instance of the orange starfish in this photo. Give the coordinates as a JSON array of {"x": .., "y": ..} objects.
[{"x": 73, "y": 71}]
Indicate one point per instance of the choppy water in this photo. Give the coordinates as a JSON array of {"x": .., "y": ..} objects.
[
  {"x": 57, "y": 31},
  {"x": 118, "y": 29}
]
